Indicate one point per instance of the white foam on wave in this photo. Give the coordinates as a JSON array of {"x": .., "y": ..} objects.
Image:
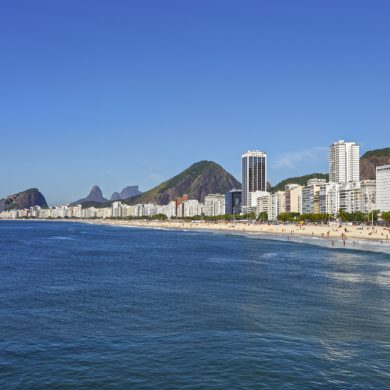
[{"x": 62, "y": 238}]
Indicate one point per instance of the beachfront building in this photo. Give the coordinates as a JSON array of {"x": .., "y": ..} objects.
[
  {"x": 263, "y": 204},
  {"x": 350, "y": 197},
  {"x": 277, "y": 205},
  {"x": 214, "y": 205},
  {"x": 293, "y": 198},
  {"x": 344, "y": 162},
  {"x": 179, "y": 200},
  {"x": 253, "y": 196},
  {"x": 169, "y": 209},
  {"x": 254, "y": 176},
  {"x": 191, "y": 208},
  {"x": 117, "y": 209},
  {"x": 329, "y": 198},
  {"x": 233, "y": 201},
  {"x": 311, "y": 196},
  {"x": 383, "y": 188},
  {"x": 367, "y": 196}
]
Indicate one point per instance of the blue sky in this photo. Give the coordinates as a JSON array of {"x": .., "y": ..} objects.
[{"x": 118, "y": 93}]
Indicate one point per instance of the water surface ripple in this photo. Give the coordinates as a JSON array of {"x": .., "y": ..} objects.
[{"x": 86, "y": 306}]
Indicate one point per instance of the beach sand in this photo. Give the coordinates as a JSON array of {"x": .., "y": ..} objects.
[{"x": 338, "y": 236}]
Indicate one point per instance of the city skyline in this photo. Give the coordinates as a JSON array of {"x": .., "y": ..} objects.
[
  {"x": 318, "y": 151},
  {"x": 131, "y": 94},
  {"x": 341, "y": 192}
]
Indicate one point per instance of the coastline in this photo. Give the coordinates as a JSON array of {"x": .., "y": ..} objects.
[
  {"x": 365, "y": 238},
  {"x": 368, "y": 239}
]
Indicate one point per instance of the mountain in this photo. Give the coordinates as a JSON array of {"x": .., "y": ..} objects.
[
  {"x": 95, "y": 196},
  {"x": 23, "y": 200},
  {"x": 372, "y": 159},
  {"x": 302, "y": 180},
  {"x": 127, "y": 192},
  {"x": 115, "y": 196},
  {"x": 197, "y": 181}
]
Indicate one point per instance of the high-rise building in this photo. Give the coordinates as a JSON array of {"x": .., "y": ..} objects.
[
  {"x": 293, "y": 198},
  {"x": 214, "y": 204},
  {"x": 311, "y": 196},
  {"x": 350, "y": 197},
  {"x": 233, "y": 201},
  {"x": 344, "y": 162},
  {"x": 277, "y": 205},
  {"x": 264, "y": 204},
  {"x": 383, "y": 188},
  {"x": 254, "y": 176},
  {"x": 367, "y": 196},
  {"x": 329, "y": 198}
]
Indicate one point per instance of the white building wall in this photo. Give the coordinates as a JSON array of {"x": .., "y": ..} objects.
[
  {"x": 383, "y": 188},
  {"x": 344, "y": 162}
]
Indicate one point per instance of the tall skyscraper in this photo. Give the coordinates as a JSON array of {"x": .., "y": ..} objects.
[
  {"x": 344, "y": 162},
  {"x": 254, "y": 175}
]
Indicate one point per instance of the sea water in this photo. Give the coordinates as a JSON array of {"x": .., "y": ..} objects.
[{"x": 88, "y": 306}]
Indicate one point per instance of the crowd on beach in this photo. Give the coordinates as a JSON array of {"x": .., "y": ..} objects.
[{"x": 335, "y": 232}]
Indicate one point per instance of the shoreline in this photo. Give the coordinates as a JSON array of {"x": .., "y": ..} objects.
[
  {"x": 358, "y": 240},
  {"x": 333, "y": 236}
]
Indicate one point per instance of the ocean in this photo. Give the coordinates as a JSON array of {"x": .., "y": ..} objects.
[{"x": 90, "y": 306}]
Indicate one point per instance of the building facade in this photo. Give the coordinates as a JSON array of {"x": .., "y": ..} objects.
[
  {"x": 367, "y": 196},
  {"x": 350, "y": 197},
  {"x": 254, "y": 175},
  {"x": 233, "y": 201},
  {"x": 329, "y": 198},
  {"x": 383, "y": 188},
  {"x": 344, "y": 162},
  {"x": 214, "y": 205},
  {"x": 293, "y": 198},
  {"x": 311, "y": 196}
]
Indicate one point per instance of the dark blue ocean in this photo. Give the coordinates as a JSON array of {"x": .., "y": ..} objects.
[{"x": 84, "y": 306}]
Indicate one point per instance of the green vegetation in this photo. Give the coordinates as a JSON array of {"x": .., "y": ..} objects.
[
  {"x": 160, "y": 217},
  {"x": 377, "y": 153},
  {"x": 262, "y": 216},
  {"x": 295, "y": 217},
  {"x": 302, "y": 180},
  {"x": 203, "y": 177},
  {"x": 386, "y": 216},
  {"x": 357, "y": 217}
]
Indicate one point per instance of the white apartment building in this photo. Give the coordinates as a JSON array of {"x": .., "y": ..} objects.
[
  {"x": 311, "y": 196},
  {"x": 277, "y": 205},
  {"x": 214, "y": 204},
  {"x": 263, "y": 204},
  {"x": 367, "y": 196},
  {"x": 117, "y": 209},
  {"x": 253, "y": 196},
  {"x": 383, "y": 188},
  {"x": 254, "y": 176},
  {"x": 293, "y": 198},
  {"x": 344, "y": 162},
  {"x": 350, "y": 197},
  {"x": 192, "y": 208},
  {"x": 329, "y": 198}
]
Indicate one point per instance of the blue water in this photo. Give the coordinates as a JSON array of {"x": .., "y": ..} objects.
[{"x": 85, "y": 306}]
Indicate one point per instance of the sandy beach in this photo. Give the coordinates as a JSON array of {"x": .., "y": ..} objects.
[{"x": 348, "y": 236}]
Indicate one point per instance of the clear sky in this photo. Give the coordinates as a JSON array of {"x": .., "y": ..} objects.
[{"x": 126, "y": 92}]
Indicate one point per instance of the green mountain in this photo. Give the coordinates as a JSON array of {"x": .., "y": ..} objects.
[
  {"x": 372, "y": 159},
  {"x": 302, "y": 180},
  {"x": 197, "y": 181},
  {"x": 23, "y": 200}
]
